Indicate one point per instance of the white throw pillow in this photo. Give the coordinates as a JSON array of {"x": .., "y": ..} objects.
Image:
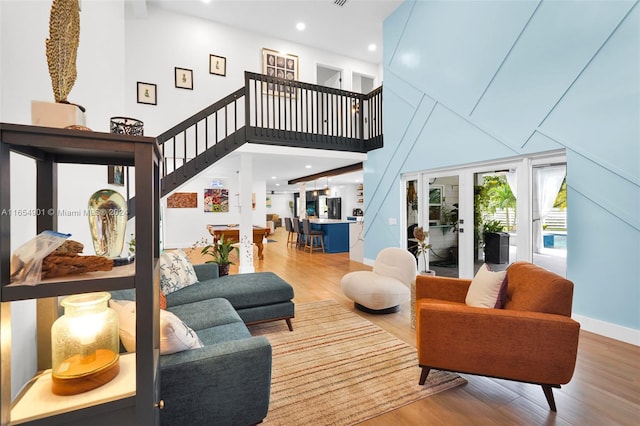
[
  {"x": 487, "y": 288},
  {"x": 126, "y": 310},
  {"x": 175, "y": 335},
  {"x": 176, "y": 271}
]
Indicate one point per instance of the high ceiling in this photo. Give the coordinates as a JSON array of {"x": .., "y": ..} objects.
[{"x": 346, "y": 29}]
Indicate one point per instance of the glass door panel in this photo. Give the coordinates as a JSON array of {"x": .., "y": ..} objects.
[
  {"x": 443, "y": 197},
  {"x": 548, "y": 217}
]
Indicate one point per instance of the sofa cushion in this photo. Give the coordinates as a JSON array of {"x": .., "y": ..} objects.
[
  {"x": 242, "y": 290},
  {"x": 206, "y": 313},
  {"x": 176, "y": 271},
  {"x": 487, "y": 289},
  {"x": 224, "y": 333},
  {"x": 175, "y": 335}
]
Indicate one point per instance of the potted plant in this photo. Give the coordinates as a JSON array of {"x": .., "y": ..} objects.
[
  {"x": 423, "y": 248},
  {"x": 220, "y": 252},
  {"x": 496, "y": 242}
]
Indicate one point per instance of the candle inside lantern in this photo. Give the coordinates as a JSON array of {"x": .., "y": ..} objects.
[{"x": 84, "y": 344}]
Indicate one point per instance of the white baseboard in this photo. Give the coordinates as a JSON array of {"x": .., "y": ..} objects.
[{"x": 607, "y": 329}]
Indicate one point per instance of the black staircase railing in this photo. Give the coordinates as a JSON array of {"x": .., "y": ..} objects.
[{"x": 273, "y": 111}]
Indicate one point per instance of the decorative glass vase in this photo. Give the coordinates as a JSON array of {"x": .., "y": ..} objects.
[
  {"x": 84, "y": 344},
  {"x": 108, "y": 222}
]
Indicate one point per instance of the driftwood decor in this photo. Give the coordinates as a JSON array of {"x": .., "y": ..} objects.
[
  {"x": 62, "y": 47},
  {"x": 67, "y": 260}
]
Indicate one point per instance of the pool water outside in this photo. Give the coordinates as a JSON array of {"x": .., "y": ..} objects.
[{"x": 555, "y": 240}]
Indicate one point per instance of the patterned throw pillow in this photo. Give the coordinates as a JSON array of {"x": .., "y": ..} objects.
[
  {"x": 176, "y": 271},
  {"x": 175, "y": 335}
]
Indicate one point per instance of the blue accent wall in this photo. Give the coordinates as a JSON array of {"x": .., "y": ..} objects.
[{"x": 468, "y": 81}]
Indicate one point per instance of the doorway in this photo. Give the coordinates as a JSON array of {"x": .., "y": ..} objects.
[
  {"x": 362, "y": 83},
  {"x": 520, "y": 201},
  {"x": 329, "y": 77}
]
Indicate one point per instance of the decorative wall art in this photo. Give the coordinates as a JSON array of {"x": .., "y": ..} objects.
[
  {"x": 115, "y": 175},
  {"x": 184, "y": 78},
  {"x": 216, "y": 200},
  {"x": 182, "y": 200},
  {"x": 217, "y": 65},
  {"x": 281, "y": 65},
  {"x": 147, "y": 93}
]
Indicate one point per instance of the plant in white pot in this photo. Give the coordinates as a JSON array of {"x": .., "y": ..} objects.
[{"x": 423, "y": 248}]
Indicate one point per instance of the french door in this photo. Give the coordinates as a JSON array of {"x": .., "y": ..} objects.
[{"x": 451, "y": 205}]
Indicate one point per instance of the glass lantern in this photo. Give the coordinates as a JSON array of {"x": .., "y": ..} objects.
[{"x": 85, "y": 344}]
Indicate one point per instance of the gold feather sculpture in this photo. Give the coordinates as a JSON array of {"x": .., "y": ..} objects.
[{"x": 62, "y": 46}]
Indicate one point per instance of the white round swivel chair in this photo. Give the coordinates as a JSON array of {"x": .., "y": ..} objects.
[{"x": 382, "y": 290}]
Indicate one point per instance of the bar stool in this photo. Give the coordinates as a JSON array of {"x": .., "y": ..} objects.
[
  {"x": 291, "y": 234},
  {"x": 296, "y": 228},
  {"x": 312, "y": 236}
]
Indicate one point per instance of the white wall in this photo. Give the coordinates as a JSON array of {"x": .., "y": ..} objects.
[
  {"x": 164, "y": 40},
  {"x": 184, "y": 227},
  {"x": 280, "y": 205},
  {"x": 24, "y": 77}
]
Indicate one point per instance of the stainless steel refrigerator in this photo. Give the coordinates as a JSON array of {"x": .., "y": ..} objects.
[{"x": 334, "y": 208}]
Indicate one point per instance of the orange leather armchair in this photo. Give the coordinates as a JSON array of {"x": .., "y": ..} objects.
[{"x": 532, "y": 339}]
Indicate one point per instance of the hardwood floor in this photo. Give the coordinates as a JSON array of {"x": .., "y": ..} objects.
[{"x": 605, "y": 389}]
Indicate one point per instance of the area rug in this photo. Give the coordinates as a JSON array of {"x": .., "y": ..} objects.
[{"x": 337, "y": 368}]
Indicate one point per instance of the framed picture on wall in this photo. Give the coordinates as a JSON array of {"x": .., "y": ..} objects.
[
  {"x": 217, "y": 65},
  {"x": 216, "y": 200},
  {"x": 184, "y": 78},
  {"x": 147, "y": 93},
  {"x": 115, "y": 175},
  {"x": 280, "y": 65}
]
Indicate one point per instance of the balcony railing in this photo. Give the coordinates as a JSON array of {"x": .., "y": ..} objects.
[{"x": 271, "y": 111}]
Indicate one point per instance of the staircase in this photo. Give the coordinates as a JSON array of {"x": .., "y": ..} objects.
[{"x": 270, "y": 111}]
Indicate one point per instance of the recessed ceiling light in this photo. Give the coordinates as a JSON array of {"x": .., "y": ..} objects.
[
  {"x": 301, "y": 26},
  {"x": 206, "y": 1},
  {"x": 372, "y": 47},
  {"x": 308, "y": 166},
  {"x": 273, "y": 177}
]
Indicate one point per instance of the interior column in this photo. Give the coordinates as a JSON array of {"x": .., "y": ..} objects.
[{"x": 246, "y": 214}]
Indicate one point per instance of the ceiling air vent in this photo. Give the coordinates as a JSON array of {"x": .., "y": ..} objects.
[{"x": 339, "y": 2}]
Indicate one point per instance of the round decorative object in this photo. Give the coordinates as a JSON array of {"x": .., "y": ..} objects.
[
  {"x": 127, "y": 126},
  {"x": 78, "y": 127},
  {"x": 108, "y": 222},
  {"x": 84, "y": 344}
]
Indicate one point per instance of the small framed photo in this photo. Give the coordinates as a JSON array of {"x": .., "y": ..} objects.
[
  {"x": 184, "y": 78},
  {"x": 147, "y": 93},
  {"x": 115, "y": 175},
  {"x": 217, "y": 65}
]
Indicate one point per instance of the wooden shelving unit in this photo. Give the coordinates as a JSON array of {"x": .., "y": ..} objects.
[{"x": 132, "y": 398}]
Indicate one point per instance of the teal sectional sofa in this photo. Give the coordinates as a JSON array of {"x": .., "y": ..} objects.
[{"x": 228, "y": 381}]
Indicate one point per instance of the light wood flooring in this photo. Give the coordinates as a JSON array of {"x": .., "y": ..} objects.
[{"x": 605, "y": 389}]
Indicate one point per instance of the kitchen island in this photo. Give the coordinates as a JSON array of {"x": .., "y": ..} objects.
[{"x": 336, "y": 234}]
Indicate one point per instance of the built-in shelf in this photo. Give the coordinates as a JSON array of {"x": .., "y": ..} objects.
[
  {"x": 38, "y": 402},
  {"x": 120, "y": 277}
]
